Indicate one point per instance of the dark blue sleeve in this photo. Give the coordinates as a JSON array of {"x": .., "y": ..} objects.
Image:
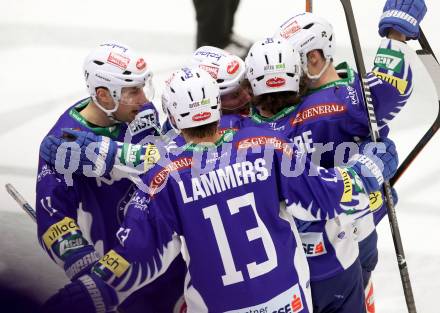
[{"x": 58, "y": 231}]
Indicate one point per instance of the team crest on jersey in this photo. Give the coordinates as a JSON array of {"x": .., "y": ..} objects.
[{"x": 326, "y": 109}]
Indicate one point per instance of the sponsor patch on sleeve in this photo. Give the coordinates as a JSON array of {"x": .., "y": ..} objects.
[
  {"x": 114, "y": 263},
  {"x": 151, "y": 156},
  {"x": 376, "y": 200},
  {"x": 347, "y": 195},
  {"x": 398, "y": 83},
  {"x": 58, "y": 230},
  {"x": 389, "y": 59}
]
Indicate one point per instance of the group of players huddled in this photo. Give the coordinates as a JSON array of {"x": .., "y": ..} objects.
[{"x": 260, "y": 192}]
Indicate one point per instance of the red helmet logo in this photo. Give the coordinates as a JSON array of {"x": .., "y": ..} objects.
[
  {"x": 140, "y": 64},
  {"x": 232, "y": 67},
  {"x": 201, "y": 116},
  {"x": 275, "y": 82}
]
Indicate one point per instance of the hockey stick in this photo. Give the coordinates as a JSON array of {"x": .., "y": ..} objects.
[
  {"x": 403, "y": 268},
  {"x": 21, "y": 201},
  {"x": 433, "y": 67},
  {"x": 309, "y": 5}
]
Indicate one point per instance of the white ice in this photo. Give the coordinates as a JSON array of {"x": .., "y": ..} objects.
[{"x": 43, "y": 44}]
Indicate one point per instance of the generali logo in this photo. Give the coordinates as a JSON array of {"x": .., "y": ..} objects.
[
  {"x": 263, "y": 141},
  {"x": 318, "y": 110},
  {"x": 275, "y": 82},
  {"x": 140, "y": 64},
  {"x": 162, "y": 175},
  {"x": 201, "y": 116},
  {"x": 232, "y": 67},
  {"x": 118, "y": 60}
]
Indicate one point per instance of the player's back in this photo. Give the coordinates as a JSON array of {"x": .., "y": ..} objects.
[{"x": 243, "y": 250}]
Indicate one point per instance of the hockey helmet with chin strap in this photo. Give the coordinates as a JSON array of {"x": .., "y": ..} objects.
[
  {"x": 227, "y": 69},
  {"x": 272, "y": 65},
  {"x": 307, "y": 32},
  {"x": 115, "y": 66},
  {"x": 191, "y": 98}
]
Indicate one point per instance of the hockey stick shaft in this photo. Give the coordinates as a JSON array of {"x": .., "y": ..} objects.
[
  {"x": 403, "y": 268},
  {"x": 21, "y": 201},
  {"x": 309, "y": 5},
  {"x": 430, "y": 61}
]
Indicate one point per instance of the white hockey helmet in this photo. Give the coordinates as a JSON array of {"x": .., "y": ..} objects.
[
  {"x": 307, "y": 32},
  {"x": 192, "y": 98},
  {"x": 272, "y": 65},
  {"x": 114, "y": 66},
  {"x": 227, "y": 69}
]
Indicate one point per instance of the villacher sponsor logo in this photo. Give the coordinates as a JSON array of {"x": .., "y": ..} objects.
[
  {"x": 57, "y": 230},
  {"x": 317, "y": 111},
  {"x": 115, "y": 263},
  {"x": 347, "y": 195}
]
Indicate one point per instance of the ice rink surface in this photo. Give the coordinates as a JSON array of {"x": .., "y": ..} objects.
[{"x": 43, "y": 44}]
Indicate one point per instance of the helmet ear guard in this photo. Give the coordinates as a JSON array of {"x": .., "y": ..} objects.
[
  {"x": 272, "y": 65},
  {"x": 114, "y": 66},
  {"x": 191, "y": 98},
  {"x": 307, "y": 32}
]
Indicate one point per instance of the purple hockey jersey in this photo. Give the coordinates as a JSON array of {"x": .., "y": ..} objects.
[
  {"x": 78, "y": 217},
  {"x": 229, "y": 208},
  {"x": 325, "y": 124}
]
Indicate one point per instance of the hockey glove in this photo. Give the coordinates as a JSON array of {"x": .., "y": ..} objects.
[
  {"x": 403, "y": 16},
  {"x": 377, "y": 163},
  {"x": 88, "y": 294},
  {"x": 80, "y": 152}
]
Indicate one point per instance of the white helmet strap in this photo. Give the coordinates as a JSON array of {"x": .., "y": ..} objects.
[
  {"x": 108, "y": 112},
  {"x": 317, "y": 76}
]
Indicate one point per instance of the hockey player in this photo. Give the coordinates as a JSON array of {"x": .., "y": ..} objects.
[
  {"x": 219, "y": 203},
  {"x": 274, "y": 70},
  {"x": 320, "y": 117},
  {"x": 229, "y": 72},
  {"x": 78, "y": 216}
]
